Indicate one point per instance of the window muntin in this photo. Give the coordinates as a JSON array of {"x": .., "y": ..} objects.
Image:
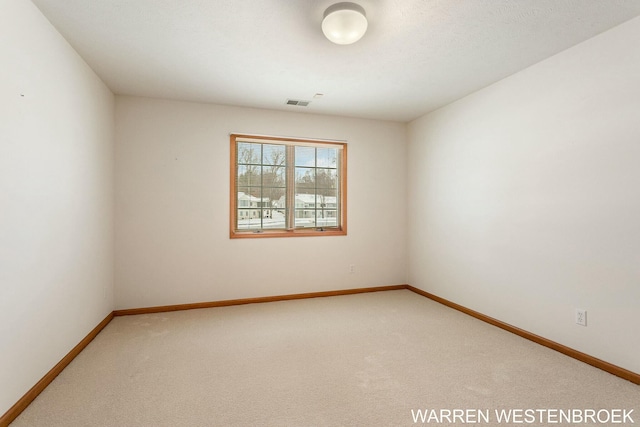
[{"x": 287, "y": 187}]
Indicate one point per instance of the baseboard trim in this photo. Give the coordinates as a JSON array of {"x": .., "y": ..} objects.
[
  {"x": 226, "y": 303},
  {"x": 583, "y": 357},
  {"x": 30, "y": 396}
]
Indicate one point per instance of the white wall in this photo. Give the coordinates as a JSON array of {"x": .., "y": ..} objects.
[
  {"x": 56, "y": 199},
  {"x": 524, "y": 198},
  {"x": 172, "y": 207}
]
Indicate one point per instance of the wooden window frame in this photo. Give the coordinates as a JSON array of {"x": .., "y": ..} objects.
[{"x": 341, "y": 230}]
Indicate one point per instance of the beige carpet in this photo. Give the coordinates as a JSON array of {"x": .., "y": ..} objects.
[{"x": 358, "y": 360}]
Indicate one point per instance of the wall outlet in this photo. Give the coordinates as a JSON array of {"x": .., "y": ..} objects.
[
  {"x": 581, "y": 316},
  {"x": 352, "y": 269}
]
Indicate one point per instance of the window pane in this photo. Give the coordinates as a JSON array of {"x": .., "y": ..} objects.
[
  {"x": 327, "y": 157},
  {"x": 274, "y": 198},
  {"x": 248, "y": 201},
  {"x": 326, "y": 178},
  {"x": 327, "y": 199},
  {"x": 249, "y": 176},
  {"x": 305, "y": 201},
  {"x": 305, "y": 180},
  {"x": 276, "y": 215},
  {"x": 305, "y": 218},
  {"x": 330, "y": 218},
  {"x": 272, "y": 195},
  {"x": 274, "y": 218},
  {"x": 249, "y": 153},
  {"x": 305, "y": 156},
  {"x": 280, "y": 203},
  {"x": 249, "y": 220},
  {"x": 243, "y": 197},
  {"x": 274, "y": 176},
  {"x": 273, "y": 154}
]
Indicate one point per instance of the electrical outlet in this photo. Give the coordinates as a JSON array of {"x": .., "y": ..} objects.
[
  {"x": 581, "y": 316},
  {"x": 352, "y": 269}
]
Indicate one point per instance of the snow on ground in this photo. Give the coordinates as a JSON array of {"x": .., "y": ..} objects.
[{"x": 278, "y": 221}]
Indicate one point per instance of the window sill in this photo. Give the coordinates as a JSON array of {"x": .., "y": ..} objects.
[{"x": 285, "y": 233}]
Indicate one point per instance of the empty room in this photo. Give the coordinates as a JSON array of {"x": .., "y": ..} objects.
[{"x": 319, "y": 213}]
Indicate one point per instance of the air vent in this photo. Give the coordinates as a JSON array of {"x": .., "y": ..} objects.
[{"x": 297, "y": 102}]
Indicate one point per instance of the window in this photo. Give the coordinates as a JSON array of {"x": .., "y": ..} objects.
[{"x": 287, "y": 187}]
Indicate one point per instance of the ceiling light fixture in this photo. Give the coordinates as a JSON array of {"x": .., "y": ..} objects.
[{"x": 344, "y": 23}]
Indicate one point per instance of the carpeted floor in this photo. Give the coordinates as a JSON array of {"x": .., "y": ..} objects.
[{"x": 357, "y": 360}]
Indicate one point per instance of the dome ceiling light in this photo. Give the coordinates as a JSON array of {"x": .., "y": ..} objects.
[{"x": 344, "y": 23}]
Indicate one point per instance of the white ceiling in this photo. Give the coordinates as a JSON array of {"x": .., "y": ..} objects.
[{"x": 417, "y": 55}]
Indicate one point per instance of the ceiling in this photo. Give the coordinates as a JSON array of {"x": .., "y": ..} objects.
[{"x": 416, "y": 56}]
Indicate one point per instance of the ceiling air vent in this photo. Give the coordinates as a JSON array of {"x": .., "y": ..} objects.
[{"x": 297, "y": 102}]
